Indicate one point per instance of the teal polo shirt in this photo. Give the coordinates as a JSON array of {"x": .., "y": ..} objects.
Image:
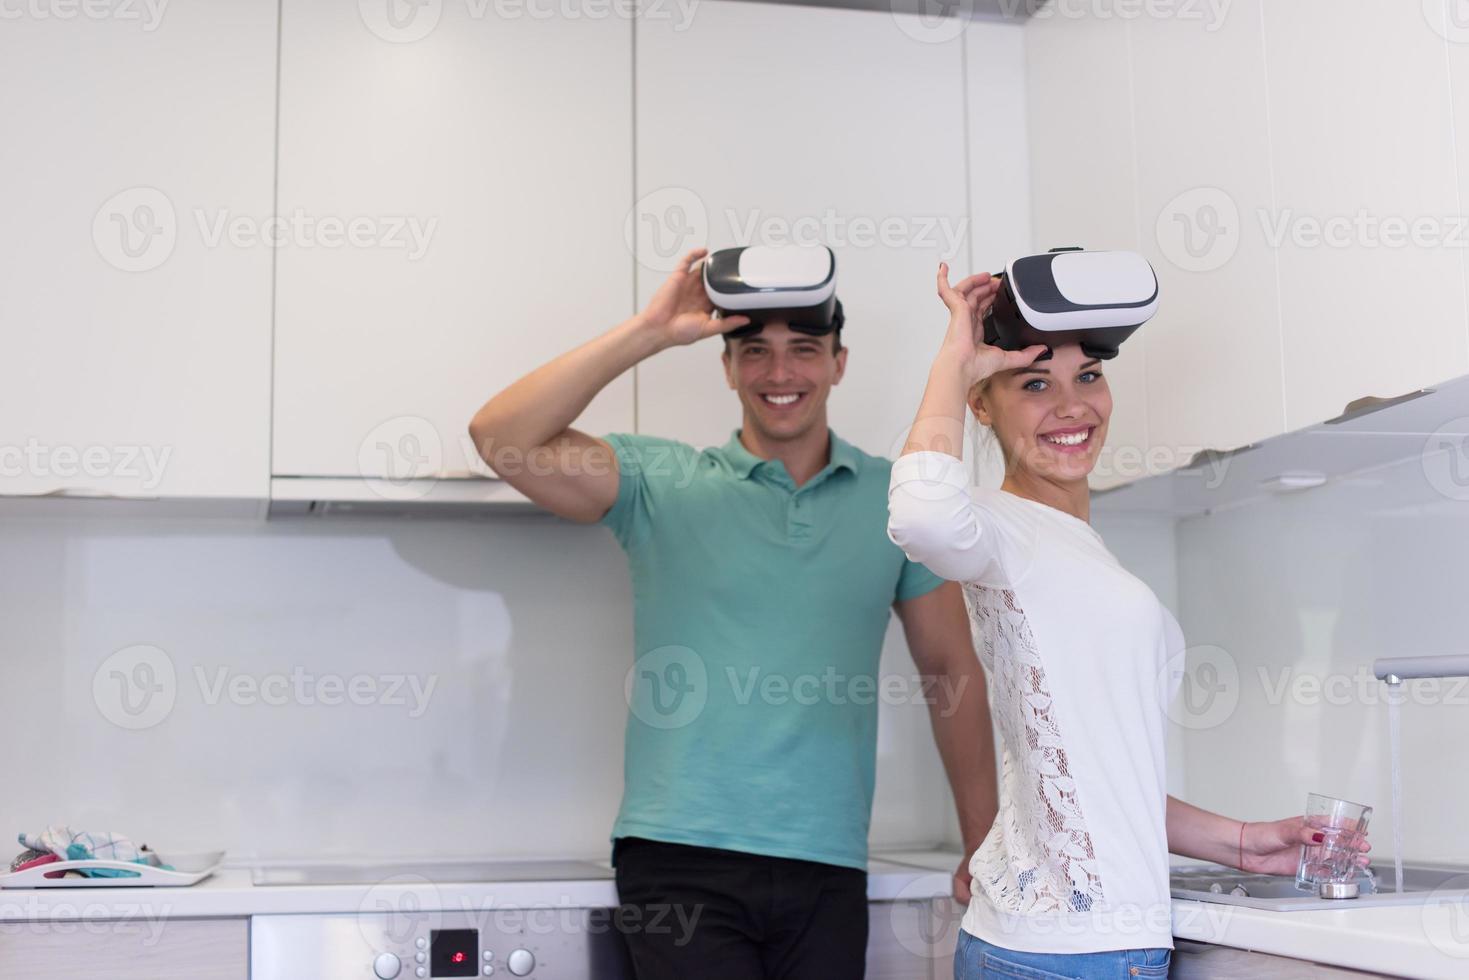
[{"x": 759, "y": 614}]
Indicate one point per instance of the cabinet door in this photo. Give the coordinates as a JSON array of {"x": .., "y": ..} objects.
[
  {"x": 764, "y": 123},
  {"x": 134, "y": 331},
  {"x": 158, "y": 949},
  {"x": 1083, "y": 189},
  {"x": 484, "y": 157},
  {"x": 1367, "y": 310},
  {"x": 1203, "y": 163}
]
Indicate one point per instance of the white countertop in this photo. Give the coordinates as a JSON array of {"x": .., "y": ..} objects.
[
  {"x": 230, "y": 892},
  {"x": 1396, "y": 940}
]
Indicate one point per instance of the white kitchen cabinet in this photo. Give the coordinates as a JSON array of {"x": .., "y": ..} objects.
[
  {"x": 134, "y": 328},
  {"x": 1362, "y": 124},
  {"x": 485, "y": 157},
  {"x": 1203, "y": 161},
  {"x": 150, "y": 946},
  {"x": 1084, "y": 189},
  {"x": 765, "y": 123},
  {"x": 1280, "y": 209}
]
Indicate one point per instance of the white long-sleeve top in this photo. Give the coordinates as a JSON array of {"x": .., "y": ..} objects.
[{"x": 1078, "y": 654}]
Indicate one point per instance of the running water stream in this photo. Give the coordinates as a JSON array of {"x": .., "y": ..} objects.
[{"x": 1394, "y": 739}]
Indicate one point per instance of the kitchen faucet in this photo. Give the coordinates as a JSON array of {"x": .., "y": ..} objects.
[{"x": 1395, "y": 670}]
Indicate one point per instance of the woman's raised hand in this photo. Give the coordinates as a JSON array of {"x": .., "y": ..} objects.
[{"x": 968, "y": 300}]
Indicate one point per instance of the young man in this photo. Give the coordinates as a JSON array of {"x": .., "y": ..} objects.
[{"x": 763, "y": 579}]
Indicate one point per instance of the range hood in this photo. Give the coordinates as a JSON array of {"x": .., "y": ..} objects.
[
  {"x": 1430, "y": 424},
  {"x": 453, "y": 497}
]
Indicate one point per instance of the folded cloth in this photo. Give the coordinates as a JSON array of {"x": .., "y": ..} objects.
[
  {"x": 29, "y": 858},
  {"x": 81, "y": 845}
]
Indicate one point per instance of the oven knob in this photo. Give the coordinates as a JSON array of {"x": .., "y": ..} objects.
[
  {"x": 520, "y": 962},
  {"x": 386, "y": 966}
]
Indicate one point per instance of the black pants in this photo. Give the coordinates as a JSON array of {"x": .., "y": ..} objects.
[{"x": 699, "y": 913}]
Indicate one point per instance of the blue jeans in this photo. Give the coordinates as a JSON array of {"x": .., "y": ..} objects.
[{"x": 976, "y": 959}]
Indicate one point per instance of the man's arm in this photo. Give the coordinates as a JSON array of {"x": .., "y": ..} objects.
[
  {"x": 936, "y": 625},
  {"x": 524, "y": 433}
]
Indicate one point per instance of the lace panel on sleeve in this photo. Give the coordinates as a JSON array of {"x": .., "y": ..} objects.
[{"x": 1038, "y": 857}]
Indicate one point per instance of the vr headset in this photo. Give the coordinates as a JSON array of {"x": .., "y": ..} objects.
[
  {"x": 1069, "y": 295},
  {"x": 794, "y": 284}
]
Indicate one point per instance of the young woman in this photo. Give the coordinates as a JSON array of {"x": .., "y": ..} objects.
[{"x": 1072, "y": 880}]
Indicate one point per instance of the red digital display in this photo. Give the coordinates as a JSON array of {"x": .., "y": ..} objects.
[{"x": 453, "y": 953}]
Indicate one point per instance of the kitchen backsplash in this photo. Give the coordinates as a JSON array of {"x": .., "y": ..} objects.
[
  {"x": 1286, "y": 604},
  {"x": 390, "y": 687},
  {"x": 337, "y": 686}
]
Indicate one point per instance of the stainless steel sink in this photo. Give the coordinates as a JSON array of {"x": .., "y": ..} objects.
[{"x": 1226, "y": 886}]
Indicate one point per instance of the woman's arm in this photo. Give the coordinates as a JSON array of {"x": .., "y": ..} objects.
[
  {"x": 930, "y": 514},
  {"x": 1271, "y": 847}
]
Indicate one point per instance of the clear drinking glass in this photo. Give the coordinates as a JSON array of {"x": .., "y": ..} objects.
[{"x": 1343, "y": 824}]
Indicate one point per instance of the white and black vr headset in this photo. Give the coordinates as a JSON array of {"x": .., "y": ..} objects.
[
  {"x": 1069, "y": 295},
  {"x": 794, "y": 284}
]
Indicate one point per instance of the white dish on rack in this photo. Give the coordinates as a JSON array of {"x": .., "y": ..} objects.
[{"x": 188, "y": 869}]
